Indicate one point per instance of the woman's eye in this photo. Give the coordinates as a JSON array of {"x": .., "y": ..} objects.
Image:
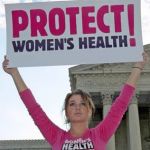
[
  {"x": 72, "y": 104},
  {"x": 84, "y": 104}
]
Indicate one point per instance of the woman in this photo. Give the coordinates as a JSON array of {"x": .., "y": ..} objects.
[{"x": 78, "y": 109}]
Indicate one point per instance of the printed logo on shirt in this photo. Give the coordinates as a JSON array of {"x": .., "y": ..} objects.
[{"x": 78, "y": 144}]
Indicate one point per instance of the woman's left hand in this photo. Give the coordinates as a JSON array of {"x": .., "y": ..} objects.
[{"x": 141, "y": 64}]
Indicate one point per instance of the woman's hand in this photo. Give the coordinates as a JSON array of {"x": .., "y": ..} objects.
[
  {"x": 10, "y": 71},
  {"x": 20, "y": 84},
  {"x": 141, "y": 64},
  {"x": 137, "y": 69}
]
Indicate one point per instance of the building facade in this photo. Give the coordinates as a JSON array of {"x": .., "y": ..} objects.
[
  {"x": 103, "y": 82},
  {"x": 24, "y": 145}
]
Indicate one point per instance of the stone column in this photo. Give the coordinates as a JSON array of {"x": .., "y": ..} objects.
[
  {"x": 134, "y": 135},
  {"x": 107, "y": 101}
]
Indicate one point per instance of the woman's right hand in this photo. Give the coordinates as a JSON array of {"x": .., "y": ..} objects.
[
  {"x": 10, "y": 71},
  {"x": 20, "y": 84}
]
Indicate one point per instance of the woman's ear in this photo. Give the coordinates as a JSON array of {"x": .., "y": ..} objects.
[
  {"x": 90, "y": 113},
  {"x": 67, "y": 117},
  {"x": 66, "y": 114}
]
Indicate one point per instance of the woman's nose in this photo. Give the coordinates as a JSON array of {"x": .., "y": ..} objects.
[{"x": 78, "y": 106}]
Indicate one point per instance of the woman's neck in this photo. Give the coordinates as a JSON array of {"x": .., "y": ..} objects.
[{"x": 78, "y": 129}]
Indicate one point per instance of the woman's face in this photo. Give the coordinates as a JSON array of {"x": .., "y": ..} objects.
[{"x": 78, "y": 109}]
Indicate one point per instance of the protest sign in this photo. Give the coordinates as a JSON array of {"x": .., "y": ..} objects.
[{"x": 73, "y": 32}]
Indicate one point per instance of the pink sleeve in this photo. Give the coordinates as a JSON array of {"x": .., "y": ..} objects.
[
  {"x": 49, "y": 130},
  {"x": 109, "y": 125}
]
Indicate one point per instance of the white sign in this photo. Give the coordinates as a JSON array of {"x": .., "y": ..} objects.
[{"x": 73, "y": 32}]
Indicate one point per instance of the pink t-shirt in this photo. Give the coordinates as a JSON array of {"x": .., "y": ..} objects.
[{"x": 93, "y": 138}]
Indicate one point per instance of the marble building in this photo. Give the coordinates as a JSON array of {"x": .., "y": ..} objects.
[{"x": 103, "y": 82}]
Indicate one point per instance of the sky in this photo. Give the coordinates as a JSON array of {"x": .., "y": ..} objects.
[{"x": 48, "y": 84}]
